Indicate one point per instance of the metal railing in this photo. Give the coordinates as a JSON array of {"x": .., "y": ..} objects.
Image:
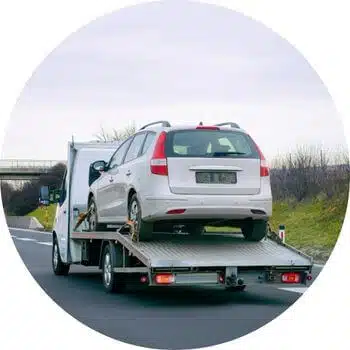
[{"x": 17, "y": 164}]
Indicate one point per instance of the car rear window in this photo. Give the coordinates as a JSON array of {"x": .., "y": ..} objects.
[{"x": 209, "y": 144}]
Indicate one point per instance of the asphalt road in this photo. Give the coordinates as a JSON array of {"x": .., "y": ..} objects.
[{"x": 178, "y": 318}]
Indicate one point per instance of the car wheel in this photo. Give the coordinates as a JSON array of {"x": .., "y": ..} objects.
[
  {"x": 143, "y": 230},
  {"x": 112, "y": 282},
  {"x": 195, "y": 229},
  {"x": 59, "y": 268},
  {"x": 254, "y": 230},
  {"x": 93, "y": 223}
]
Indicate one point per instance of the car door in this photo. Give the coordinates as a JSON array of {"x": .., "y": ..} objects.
[
  {"x": 108, "y": 196},
  {"x": 127, "y": 174}
]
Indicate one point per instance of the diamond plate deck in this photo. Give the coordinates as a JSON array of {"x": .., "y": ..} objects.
[{"x": 212, "y": 250}]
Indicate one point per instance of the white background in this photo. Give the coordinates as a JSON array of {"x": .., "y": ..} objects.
[{"x": 30, "y": 30}]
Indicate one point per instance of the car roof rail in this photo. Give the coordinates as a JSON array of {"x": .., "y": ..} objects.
[
  {"x": 163, "y": 122},
  {"x": 232, "y": 125}
]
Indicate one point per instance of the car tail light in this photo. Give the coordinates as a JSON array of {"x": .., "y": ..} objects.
[
  {"x": 207, "y": 127},
  {"x": 176, "y": 211},
  {"x": 264, "y": 168},
  {"x": 164, "y": 278},
  {"x": 159, "y": 164},
  {"x": 291, "y": 277}
]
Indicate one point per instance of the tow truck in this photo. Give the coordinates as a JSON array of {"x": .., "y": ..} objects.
[{"x": 171, "y": 258}]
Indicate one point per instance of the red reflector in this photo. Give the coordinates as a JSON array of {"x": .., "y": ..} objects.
[
  {"x": 309, "y": 277},
  {"x": 221, "y": 278},
  {"x": 143, "y": 279},
  {"x": 165, "y": 278},
  {"x": 291, "y": 277},
  {"x": 207, "y": 127},
  {"x": 176, "y": 211}
]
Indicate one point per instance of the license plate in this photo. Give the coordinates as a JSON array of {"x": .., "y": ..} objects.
[{"x": 209, "y": 177}]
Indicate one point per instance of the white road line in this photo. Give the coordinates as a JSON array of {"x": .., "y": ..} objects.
[
  {"x": 26, "y": 239},
  {"x": 45, "y": 243},
  {"x": 300, "y": 290},
  {"x": 29, "y": 230}
]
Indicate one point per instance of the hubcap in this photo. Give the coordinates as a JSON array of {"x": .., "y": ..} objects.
[
  {"x": 107, "y": 271},
  {"x": 55, "y": 255}
]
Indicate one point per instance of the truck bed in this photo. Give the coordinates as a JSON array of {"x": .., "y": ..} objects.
[{"x": 209, "y": 250}]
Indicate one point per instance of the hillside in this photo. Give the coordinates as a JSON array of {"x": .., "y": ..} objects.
[
  {"x": 313, "y": 226},
  {"x": 39, "y": 213}
]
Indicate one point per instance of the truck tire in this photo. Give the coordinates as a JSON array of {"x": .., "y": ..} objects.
[
  {"x": 94, "y": 225},
  {"x": 59, "y": 268},
  {"x": 236, "y": 288},
  {"x": 254, "y": 230},
  {"x": 112, "y": 257},
  {"x": 144, "y": 230}
]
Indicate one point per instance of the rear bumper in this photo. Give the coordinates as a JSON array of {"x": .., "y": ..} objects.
[{"x": 206, "y": 207}]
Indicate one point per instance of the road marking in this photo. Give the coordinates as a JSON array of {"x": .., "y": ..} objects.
[
  {"x": 300, "y": 290},
  {"x": 26, "y": 239},
  {"x": 29, "y": 230},
  {"x": 45, "y": 243}
]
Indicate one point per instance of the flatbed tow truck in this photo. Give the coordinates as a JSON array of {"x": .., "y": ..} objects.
[{"x": 169, "y": 259}]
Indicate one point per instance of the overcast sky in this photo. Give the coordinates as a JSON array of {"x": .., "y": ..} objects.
[{"x": 179, "y": 61}]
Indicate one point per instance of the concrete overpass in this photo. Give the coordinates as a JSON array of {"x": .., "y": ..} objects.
[{"x": 25, "y": 169}]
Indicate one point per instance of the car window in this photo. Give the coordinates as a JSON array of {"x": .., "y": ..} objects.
[
  {"x": 118, "y": 156},
  {"x": 208, "y": 143},
  {"x": 149, "y": 139},
  {"x": 135, "y": 147}
]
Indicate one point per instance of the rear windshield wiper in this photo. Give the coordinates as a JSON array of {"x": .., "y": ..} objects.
[{"x": 219, "y": 154}]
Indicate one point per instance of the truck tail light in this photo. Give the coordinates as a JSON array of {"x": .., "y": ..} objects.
[
  {"x": 291, "y": 277},
  {"x": 164, "y": 278}
]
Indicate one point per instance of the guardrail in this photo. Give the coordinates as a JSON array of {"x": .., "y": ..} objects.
[{"x": 28, "y": 163}]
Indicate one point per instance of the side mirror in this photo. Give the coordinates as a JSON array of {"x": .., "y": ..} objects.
[
  {"x": 99, "y": 165},
  {"x": 44, "y": 196},
  {"x": 55, "y": 196},
  {"x": 95, "y": 170}
]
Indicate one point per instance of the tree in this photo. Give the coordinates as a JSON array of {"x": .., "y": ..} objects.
[{"x": 116, "y": 135}]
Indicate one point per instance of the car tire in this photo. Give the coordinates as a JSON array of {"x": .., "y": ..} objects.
[
  {"x": 112, "y": 257},
  {"x": 59, "y": 267},
  {"x": 254, "y": 230},
  {"x": 195, "y": 230},
  {"x": 93, "y": 223},
  {"x": 144, "y": 230}
]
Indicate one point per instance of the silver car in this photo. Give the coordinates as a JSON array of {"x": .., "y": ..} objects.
[{"x": 166, "y": 178}]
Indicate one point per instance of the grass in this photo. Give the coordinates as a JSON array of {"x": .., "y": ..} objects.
[
  {"x": 312, "y": 226},
  {"x": 40, "y": 214}
]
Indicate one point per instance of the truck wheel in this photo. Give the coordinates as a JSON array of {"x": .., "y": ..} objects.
[
  {"x": 59, "y": 268},
  {"x": 112, "y": 257},
  {"x": 195, "y": 229},
  {"x": 94, "y": 225},
  {"x": 236, "y": 288},
  {"x": 143, "y": 229},
  {"x": 254, "y": 230}
]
